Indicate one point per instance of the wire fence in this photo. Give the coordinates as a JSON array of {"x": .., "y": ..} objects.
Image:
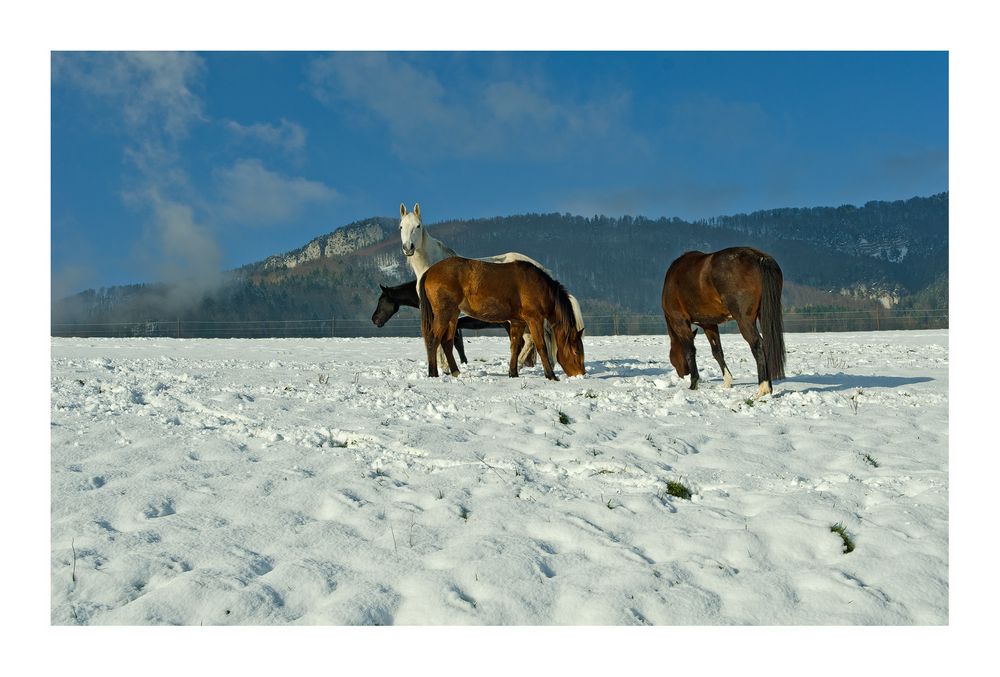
[{"x": 597, "y": 325}]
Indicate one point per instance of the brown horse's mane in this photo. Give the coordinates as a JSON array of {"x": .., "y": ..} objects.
[{"x": 557, "y": 294}]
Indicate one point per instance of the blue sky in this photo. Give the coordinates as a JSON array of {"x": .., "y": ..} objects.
[{"x": 175, "y": 166}]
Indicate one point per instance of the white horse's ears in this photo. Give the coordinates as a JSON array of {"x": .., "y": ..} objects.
[
  {"x": 416, "y": 209},
  {"x": 402, "y": 210}
]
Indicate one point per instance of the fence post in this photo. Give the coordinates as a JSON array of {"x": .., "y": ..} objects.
[
  {"x": 333, "y": 327},
  {"x": 178, "y": 327}
]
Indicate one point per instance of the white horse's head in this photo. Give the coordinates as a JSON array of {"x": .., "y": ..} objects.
[{"x": 411, "y": 232}]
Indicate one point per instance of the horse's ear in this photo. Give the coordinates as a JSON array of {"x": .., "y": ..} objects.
[
  {"x": 381, "y": 287},
  {"x": 416, "y": 209},
  {"x": 402, "y": 210}
]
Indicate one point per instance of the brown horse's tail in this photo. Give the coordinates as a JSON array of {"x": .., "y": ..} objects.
[
  {"x": 426, "y": 312},
  {"x": 771, "y": 324}
]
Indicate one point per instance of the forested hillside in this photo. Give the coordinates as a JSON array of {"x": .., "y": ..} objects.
[{"x": 888, "y": 254}]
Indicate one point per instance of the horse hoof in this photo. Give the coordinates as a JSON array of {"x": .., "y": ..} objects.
[
  {"x": 552, "y": 378},
  {"x": 694, "y": 386},
  {"x": 455, "y": 373},
  {"x": 763, "y": 389}
]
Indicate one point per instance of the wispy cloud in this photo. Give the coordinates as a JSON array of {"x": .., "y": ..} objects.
[
  {"x": 154, "y": 91},
  {"x": 152, "y": 95},
  {"x": 153, "y": 98},
  {"x": 287, "y": 136},
  {"x": 187, "y": 253},
  {"x": 500, "y": 117},
  {"x": 251, "y": 194}
]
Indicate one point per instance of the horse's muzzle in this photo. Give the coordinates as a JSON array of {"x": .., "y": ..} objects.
[{"x": 409, "y": 253}]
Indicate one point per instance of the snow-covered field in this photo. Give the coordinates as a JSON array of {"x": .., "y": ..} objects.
[{"x": 329, "y": 481}]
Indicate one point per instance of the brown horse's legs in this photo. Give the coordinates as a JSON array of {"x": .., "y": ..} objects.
[
  {"x": 686, "y": 337},
  {"x": 516, "y": 344},
  {"x": 431, "y": 344},
  {"x": 748, "y": 328},
  {"x": 692, "y": 364},
  {"x": 460, "y": 346},
  {"x": 443, "y": 326},
  {"x": 448, "y": 343},
  {"x": 712, "y": 334},
  {"x": 535, "y": 326}
]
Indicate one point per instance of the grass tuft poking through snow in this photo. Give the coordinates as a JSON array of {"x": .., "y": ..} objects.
[
  {"x": 841, "y": 531},
  {"x": 678, "y": 490}
]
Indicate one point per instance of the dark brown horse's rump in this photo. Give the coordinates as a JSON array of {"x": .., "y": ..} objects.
[{"x": 707, "y": 289}]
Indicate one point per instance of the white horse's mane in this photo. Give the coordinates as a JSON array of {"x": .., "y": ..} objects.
[{"x": 577, "y": 314}]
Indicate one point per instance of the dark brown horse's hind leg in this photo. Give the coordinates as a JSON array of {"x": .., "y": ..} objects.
[
  {"x": 712, "y": 334},
  {"x": 748, "y": 328}
]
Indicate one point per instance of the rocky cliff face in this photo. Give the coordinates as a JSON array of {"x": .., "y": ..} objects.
[{"x": 343, "y": 241}]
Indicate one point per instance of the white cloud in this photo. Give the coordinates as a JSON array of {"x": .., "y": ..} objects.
[
  {"x": 481, "y": 117},
  {"x": 152, "y": 90},
  {"x": 287, "y": 136},
  {"x": 251, "y": 194},
  {"x": 152, "y": 97},
  {"x": 190, "y": 253}
]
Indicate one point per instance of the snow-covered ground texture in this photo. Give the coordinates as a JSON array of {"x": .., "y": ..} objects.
[{"x": 329, "y": 481}]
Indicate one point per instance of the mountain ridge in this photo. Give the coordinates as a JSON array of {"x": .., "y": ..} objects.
[{"x": 882, "y": 252}]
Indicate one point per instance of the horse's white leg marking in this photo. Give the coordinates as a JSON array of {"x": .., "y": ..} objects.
[
  {"x": 525, "y": 350},
  {"x": 764, "y": 389},
  {"x": 727, "y": 379}
]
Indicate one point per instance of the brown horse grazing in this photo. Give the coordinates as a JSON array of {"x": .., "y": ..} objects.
[
  {"x": 516, "y": 292},
  {"x": 739, "y": 283},
  {"x": 405, "y": 294}
]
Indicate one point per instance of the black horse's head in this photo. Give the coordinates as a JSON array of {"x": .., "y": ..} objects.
[{"x": 385, "y": 309}]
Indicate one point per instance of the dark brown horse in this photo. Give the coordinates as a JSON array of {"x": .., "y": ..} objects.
[
  {"x": 739, "y": 283},
  {"x": 391, "y": 298},
  {"x": 517, "y": 292}
]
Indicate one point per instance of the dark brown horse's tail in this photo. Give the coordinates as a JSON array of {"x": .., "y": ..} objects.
[
  {"x": 426, "y": 312},
  {"x": 771, "y": 324}
]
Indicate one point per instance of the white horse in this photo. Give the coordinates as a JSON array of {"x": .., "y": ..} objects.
[{"x": 422, "y": 251}]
